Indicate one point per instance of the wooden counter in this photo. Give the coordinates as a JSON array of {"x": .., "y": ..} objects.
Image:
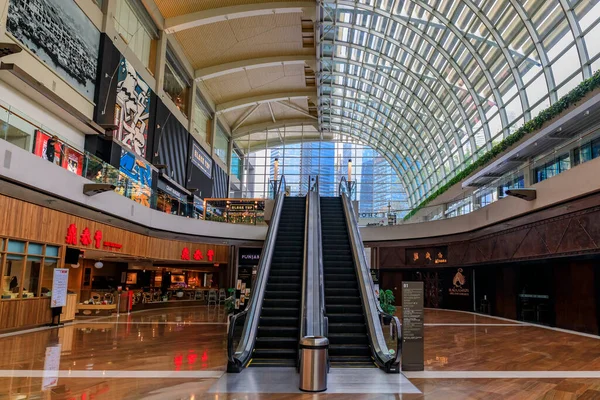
[{"x": 24, "y": 313}]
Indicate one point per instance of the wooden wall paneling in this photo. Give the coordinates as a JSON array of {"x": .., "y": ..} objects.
[
  {"x": 575, "y": 239},
  {"x": 22, "y": 313},
  {"x": 392, "y": 280},
  {"x": 506, "y": 292},
  {"x": 392, "y": 257},
  {"x": 575, "y": 305}
]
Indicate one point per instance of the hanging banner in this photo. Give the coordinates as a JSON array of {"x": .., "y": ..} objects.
[
  {"x": 41, "y": 148},
  {"x": 59, "y": 287}
]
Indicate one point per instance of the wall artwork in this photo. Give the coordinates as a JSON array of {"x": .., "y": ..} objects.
[
  {"x": 61, "y": 35},
  {"x": 132, "y": 108}
]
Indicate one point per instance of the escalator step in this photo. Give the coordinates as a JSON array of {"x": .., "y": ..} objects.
[
  {"x": 341, "y": 284},
  {"x": 276, "y": 294},
  {"x": 272, "y": 362},
  {"x": 342, "y": 292},
  {"x": 340, "y": 277},
  {"x": 284, "y": 286},
  {"x": 277, "y": 331},
  {"x": 285, "y": 303},
  {"x": 278, "y": 321},
  {"x": 345, "y": 318},
  {"x": 347, "y": 338},
  {"x": 347, "y": 328},
  {"x": 275, "y": 353},
  {"x": 276, "y": 343},
  {"x": 349, "y": 350},
  {"x": 343, "y": 309},
  {"x": 281, "y": 312}
]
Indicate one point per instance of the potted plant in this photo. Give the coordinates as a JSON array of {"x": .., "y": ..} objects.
[{"x": 387, "y": 300}]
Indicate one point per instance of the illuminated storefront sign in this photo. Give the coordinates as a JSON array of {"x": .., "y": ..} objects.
[
  {"x": 86, "y": 239},
  {"x": 201, "y": 160},
  {"x": 427, "y": 256}
]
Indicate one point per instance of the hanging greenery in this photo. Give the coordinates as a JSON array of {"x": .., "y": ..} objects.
[{"x": 535, "y": 124}]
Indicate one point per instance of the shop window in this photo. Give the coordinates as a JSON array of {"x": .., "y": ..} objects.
[
  {"x": 28, "y": 268},
  {"x": 202, "y": 120},
  {"x": 177, "y": 82},
  {"x": 236, "y": 165},
  {"x": 138, "y": 30},
  {"x": 596, "y": 148}
]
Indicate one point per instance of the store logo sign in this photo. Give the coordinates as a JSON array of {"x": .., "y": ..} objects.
[
  {"x": 201, "y": 160},
  {"x": 458, "y": 282}
]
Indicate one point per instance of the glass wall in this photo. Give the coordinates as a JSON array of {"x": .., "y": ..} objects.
[
  {"x": 136, "y": 27},
  {"x": 202, "y": 120},
  {"x": 26, "y": 268},
  {"x": 378, "y": 187},
  {"x": 221, "y": 144}
]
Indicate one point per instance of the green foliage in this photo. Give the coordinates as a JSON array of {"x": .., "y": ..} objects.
[
  {"x": 230, "y": 301},
  {"x": 535, "y": 124},
  {"x": 387, "y": 300}
]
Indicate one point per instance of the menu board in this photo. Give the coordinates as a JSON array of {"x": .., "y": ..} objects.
[
  {"x": 412, "y": 326},
  {"x": 59, "y": 287}
]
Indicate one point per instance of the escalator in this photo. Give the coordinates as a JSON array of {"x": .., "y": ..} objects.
[
  {"x": 279, "y": 324},
  {"x": 349, "y": 342}
]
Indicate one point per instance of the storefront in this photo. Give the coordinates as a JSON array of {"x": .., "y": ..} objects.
[
  {"x": 172, "y": 198},
  {"x": 100, "y": 259},
  {"x": 248, "y": 260}
]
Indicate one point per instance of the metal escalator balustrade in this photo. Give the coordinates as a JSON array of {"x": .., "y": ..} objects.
[
  {"x": 279, "y": 324},
  {"x": 244, "y": 326},
  {"x": 353, "y": 309}
]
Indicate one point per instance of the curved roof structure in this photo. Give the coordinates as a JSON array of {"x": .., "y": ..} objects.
[
  {"x": 434, "y": 83},
  {"x": 429, "y": 84}
]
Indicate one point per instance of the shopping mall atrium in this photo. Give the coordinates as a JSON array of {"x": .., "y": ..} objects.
[{"x": 299, "y": 199}]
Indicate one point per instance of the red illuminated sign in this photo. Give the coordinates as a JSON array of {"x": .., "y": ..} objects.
[
  {"x": 198, "y": 255},
  {"x": 86, "y": 238},
  {"x": 185, "y": 254}
]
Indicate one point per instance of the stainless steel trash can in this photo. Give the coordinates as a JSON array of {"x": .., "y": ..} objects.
[{"x": 313, "y": 364}]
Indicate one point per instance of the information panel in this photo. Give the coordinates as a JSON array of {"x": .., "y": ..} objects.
[
  {"x": 59, "y": 287},
  {"x": 412, "y": 326}
]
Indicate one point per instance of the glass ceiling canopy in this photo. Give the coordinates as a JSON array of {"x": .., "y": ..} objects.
[{"x": 434, "y": 84}]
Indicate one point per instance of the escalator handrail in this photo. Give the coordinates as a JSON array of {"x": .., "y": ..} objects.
[
  {"x": 313, "y": 319},
  {"x": 244, "y": 349},
  {"x": 371, "y": 307}
]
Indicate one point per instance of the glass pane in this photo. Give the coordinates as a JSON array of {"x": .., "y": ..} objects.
[
  {"x": 15, "y": 246},
  {"x": 48, "y": 275},
  {"x": 52, "y": 251},
  {"x": 35, "y": 248},
  {"x": 32, "y": 278},
  {"x": 11, "y": 281}
]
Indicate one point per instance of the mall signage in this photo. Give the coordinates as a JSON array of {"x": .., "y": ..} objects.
[
  {"x": 197, "y": 255},
  {"x": 249, "y": 255},
  {"x": 86, "y": 238},
  {"x": 427, "y": 256},
  {"x": 201, "y": 160}
]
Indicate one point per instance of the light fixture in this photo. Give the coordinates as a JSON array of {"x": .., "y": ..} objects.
[{"x": 99, "y": 264}]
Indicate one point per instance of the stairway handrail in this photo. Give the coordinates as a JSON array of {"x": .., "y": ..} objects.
[
  {"x": 371, "y": 307},
  {"x": 239, "y": 359}
]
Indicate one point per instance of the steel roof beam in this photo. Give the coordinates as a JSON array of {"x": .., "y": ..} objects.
[
  {"x": 264, "y": 126},
  {"x": 221, "y": 14},
  {"x": 216, "y": 71},
  {"x": 268, "y": 98}
]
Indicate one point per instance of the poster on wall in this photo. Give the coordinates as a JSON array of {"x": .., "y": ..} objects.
[
  {"x": 73, "y": 161},
  {"x": 61, "y": 35},
  {"x": 41, "y": 147},
  {"x": 132, "y": 109},
  {"x": 137, "y": 184},
  {"x": 59, "y": 287}
]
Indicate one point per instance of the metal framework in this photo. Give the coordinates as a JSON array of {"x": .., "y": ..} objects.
[{"x": 433, "y": 84}]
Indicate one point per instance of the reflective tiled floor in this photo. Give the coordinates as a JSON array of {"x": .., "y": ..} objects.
[{"x": 181, "y": 354}]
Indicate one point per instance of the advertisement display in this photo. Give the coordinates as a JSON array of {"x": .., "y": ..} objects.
[
  {"x": 41, "y": 148},
  {"x": 51, "y": 367},
  {"x": 137, "y": 178},
  {"x": 59, "y": 287},
  {"x": 73, "y": 161}
]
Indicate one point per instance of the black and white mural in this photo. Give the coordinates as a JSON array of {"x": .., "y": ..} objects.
[
  {"x": 132, "y": 108},
  {"x": 61, "y": 35}
]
